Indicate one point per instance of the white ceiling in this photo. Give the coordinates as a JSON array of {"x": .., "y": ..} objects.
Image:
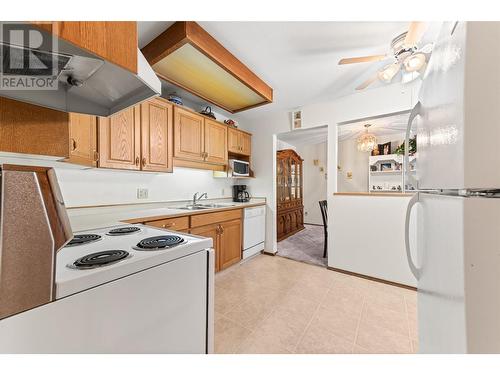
[
  {"x": 299, "y": 59},
  {"x": 310, "y": 136},
  {"x": 394, "y": 124}
]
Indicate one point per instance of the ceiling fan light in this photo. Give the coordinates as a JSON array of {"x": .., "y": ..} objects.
[{"x": 414, "y": 62}]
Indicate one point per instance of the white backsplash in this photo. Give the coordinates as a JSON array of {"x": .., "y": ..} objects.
[{"x": 103, "y": 187}]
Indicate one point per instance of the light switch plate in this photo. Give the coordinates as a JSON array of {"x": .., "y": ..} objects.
[{"x": 142, "y": 193}]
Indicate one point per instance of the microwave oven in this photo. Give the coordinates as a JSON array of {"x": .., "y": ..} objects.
[{"x": 239, "y": 168}]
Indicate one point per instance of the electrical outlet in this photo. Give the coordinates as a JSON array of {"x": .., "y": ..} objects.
[{"x": 142, "y": 193}]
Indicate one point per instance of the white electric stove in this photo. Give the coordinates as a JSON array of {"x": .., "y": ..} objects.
[
  {"x": 124, "y": 289},
  {"x": 119, "y": 253}
]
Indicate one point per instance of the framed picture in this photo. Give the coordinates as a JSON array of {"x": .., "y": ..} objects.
[
  {"x": 296, "y": 120},
  {"x": 385, "y": 167},
  {"x": 384, "y": 148}
]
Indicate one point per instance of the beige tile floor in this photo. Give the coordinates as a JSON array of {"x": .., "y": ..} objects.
[{"x": 277, "y": 305}]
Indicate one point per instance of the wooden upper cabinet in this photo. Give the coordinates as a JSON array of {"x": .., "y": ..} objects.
[
  {"x": 120, "y": 139},
  {"x": 233, "y": 142},
  {"x": 157, "y": 136},
  {"x": 82, "y": 139},
  {"x": 31, "y": 129},
  {"x": 113, "y": 41},
  {"x": 239, "y": 142},
  {"x": 230, "y": 243},
  {"x": 215, "y": 142},
  {"x": 246, "y": 143},
  {"x": 189, "y": 135}
]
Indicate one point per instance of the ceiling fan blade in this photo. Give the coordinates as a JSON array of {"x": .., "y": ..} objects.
[
  {"x": 354, "y": 60},
  {"x": 415, "y": 33},
  {"x": 368, "y": 82}
]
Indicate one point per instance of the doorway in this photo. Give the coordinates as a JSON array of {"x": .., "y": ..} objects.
[{"x": 301, "y": 184}]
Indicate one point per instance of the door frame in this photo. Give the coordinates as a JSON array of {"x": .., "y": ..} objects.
[{"x": 274, "y": 200}]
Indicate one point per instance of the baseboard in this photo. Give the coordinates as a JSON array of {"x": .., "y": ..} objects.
[
  {"x": 266, "y": 253},
  {"x": 371, "y": 278}
]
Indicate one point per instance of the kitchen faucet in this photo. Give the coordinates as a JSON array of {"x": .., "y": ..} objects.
[{"x": 196, "y": 198}]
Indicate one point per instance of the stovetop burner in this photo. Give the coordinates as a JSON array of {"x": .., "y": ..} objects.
[
  {"x": 82, "y": 239},
  {"x": 159, "y": 242},
  {"x": 123, "y": 230},
  {"x": 99, "y": 259}
]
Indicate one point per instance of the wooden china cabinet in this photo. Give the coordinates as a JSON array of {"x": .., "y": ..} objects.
[{"x": 289, "y": 171}]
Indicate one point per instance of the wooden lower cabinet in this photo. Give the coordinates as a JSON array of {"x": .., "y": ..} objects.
[
  {"x": 180, "y": 224},
  {"x": 289, "y": 222},
  {"x": 211, "y": 231},
  {"x": 230, "y": 243},
  {"x": 225, "y": 229}
]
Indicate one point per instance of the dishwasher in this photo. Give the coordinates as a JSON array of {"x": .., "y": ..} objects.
[{"x": 254, "y": 230}]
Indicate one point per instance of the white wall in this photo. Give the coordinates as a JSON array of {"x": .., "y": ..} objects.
[
  {"x": 282, "y": 145},
  {"x": 369, "y": 237},
  {"x": 352, "y": 160},
  {"x": 369, "y": 103},
  {"x": 315, "y": 182}
]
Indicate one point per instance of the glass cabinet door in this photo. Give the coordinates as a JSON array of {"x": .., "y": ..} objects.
[
  {"x": 281, "y": 180},
  {"x": 298, "y": 177}
]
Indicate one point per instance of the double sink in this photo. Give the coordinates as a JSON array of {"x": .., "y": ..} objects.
[{"x": 199, "y": 206}]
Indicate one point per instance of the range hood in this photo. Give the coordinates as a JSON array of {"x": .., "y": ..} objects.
[{"x": 82, "y": 81}]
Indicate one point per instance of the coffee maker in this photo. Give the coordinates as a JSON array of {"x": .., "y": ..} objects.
[{"x": 240, "y": 193}]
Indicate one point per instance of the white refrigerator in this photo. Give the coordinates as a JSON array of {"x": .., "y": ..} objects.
[{"x": 457, "y": 180}]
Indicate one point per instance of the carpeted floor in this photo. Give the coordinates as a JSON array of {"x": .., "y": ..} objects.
[{"x": 305, "y": 246}]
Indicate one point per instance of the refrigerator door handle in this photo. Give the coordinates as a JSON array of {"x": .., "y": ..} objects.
[
  {"x": 414, "y": 269},
  {"x": 409, "y": 180}
]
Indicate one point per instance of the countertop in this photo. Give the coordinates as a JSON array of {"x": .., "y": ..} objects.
[
  {"x": 86, "y": 218},
  {"x": 375, "y": 194}
]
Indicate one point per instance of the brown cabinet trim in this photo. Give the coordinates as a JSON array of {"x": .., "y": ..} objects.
[{"x": 183, "y": 32}]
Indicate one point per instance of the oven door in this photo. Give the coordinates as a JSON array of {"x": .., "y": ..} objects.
[{"x": 240, "y": 168}]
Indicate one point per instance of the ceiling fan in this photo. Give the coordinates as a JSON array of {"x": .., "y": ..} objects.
[{"x": 406, "y": 56}]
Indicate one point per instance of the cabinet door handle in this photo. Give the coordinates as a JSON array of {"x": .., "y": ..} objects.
[
  {"x": 143, "y": 162},
  {"x": 169, "y": 225},
  {"x": 73, "y": 144},
  {"x": 137, "y": 160}
]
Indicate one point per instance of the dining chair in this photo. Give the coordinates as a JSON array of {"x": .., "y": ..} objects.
[{"x": 324, "y": 215}]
